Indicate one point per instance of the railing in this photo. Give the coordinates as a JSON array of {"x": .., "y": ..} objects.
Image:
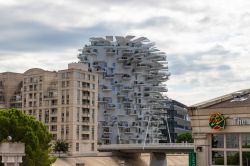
[{"x": 142, "y": 146}]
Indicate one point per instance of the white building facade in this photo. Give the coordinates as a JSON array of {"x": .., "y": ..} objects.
[{"x": 131, "y": 72}]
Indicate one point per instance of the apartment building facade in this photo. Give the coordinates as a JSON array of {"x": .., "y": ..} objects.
[
  {"x": 131, "y": 72},
  {"x": 65, "y": 101},
  {"x": 175, "y": 121}
]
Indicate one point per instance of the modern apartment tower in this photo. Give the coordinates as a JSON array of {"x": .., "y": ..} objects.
[
  {"x": 131, "y": 72},
  {"x": 65, "y": 101}
]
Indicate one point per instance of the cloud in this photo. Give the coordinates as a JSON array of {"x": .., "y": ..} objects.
[
  {"x": 35, "y": 36},
  {"x": 201, "y": 61},
  {"x": 207, "y": 42}
]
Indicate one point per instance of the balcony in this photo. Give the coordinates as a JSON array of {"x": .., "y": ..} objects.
[
  {"x": 133, "y": 113},
  {"x": 88, "y": 51},
  {"x": 126, "y": 77},
  {"x": 106, "y": 113},
  {"x": 85, "y": 129},
  {"x": 85, "y": 120},
  {"x": 107, "y": 131},
  {"x": 96, "y": 64},
  {"x": 110, "y": 52},
  {"x": 106, "y": 88},
  {"x": 122, "y": 59},
  {"x": 123, "y": 124},
  {"x": 85, "y": 136},
  {"x": 127, "y": 107},
  {"x": 105, "y": 137},
  {"x": 127, "y": 52},
  {"x": 104, "y": 99},
  {"x": 127, "y": 66},
  {"x": 100, "y": 70},
  {"x": 105, "y": 124},
  {"x": 85, "y": 114},
  {"x": 127, "y": 101},
  {"x": 138, "y": 66},
  {"x": 137, "y": 138},
  {"x": 110, "y": 106},
  {"x": 127, "y": 88},
  {"x": 120, "y": 95},
  {"x": 128, "y": 131},
  {"x": 109, "y": 76}
]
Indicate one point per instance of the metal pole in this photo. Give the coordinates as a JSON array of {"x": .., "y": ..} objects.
[
  {"x": 168, "y": 131},
  {"x": 147, "y": 132},
  {"x": 118, "y": 132}
]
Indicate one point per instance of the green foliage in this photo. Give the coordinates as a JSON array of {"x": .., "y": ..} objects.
[
  {"x": 61, "y": 146},
  {"x": 184, "y": 137},
  {"x": 26, "y": 129},
  {"x": 219, "y": 161},
  {"x": 233, "y": 159}
]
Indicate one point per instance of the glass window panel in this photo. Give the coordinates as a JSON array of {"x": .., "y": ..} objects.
[
  {"x": 232, "y": 140},
  {"x": 233, "y": 158},
  {"x": 246, "y": 158},
  {"x": 218, "y": 141},
  {"x": 245, "y": 140},
  {"x": 217, "y": 158}
]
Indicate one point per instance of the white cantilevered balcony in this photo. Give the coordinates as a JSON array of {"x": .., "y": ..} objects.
[
  {"x": 126, "y": 77},
  {"x": 104, "y": 99},
  {"x": 109, "y": 76},
  {"x": 122, "y": 59},
  {"x": 100, "y": 69},
  {"x": 127, "y": 88},
  {"x": 110, "y": 52},
  {"x": 110, "y": 106},
  {"x": 106, "y": 88},
  {"x": 120, "y": 95}
]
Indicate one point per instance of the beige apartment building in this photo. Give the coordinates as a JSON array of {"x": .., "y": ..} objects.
[
  {"x": 65, "y": 101},
  {"x": 221, "y": 130}
]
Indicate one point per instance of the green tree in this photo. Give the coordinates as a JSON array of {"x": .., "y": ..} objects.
[
  {"x": 184, "y": 137},
  {"x": 61, "y": 146},
  {"x": 26, "y": 129}
]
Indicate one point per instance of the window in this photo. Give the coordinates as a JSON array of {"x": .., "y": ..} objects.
[
  {"x": 218, "y": 141},
  {"x": 232, "y": 140},
  {"x": 78, "y": 75},
  {"x": 226, "y": 150},
  {"x": 245, "y": 141},
  {"x": 246, "y": 158},
  {"x": 93, "y": 133},
  {"x": 77, "y": 147},
  {"x": 218, "y": 157},
  {"x": 78, "y": 115},
  {"x": 93, "y": 115},
  {"x": 93, "y": 86},
  {"x": 77, "y": 132},
  {"x": 63, "y": 83},
  {"x": 233, "y": 158},
  {"x": 93, "y": 78}
]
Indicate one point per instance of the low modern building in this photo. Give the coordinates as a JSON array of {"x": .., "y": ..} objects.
[
  {"x": 175, "y": 121},
  {"x": 65, "y": 101},
  {"x": 221, "y": 130}
]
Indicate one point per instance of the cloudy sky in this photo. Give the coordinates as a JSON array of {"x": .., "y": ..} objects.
[{"x": 207, "y": 42}]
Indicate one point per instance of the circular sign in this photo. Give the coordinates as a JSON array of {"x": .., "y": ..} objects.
[{"x": 217, "y": 121}]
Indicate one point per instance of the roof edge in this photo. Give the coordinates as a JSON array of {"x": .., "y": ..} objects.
[{"x": 217, "y": 100}]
